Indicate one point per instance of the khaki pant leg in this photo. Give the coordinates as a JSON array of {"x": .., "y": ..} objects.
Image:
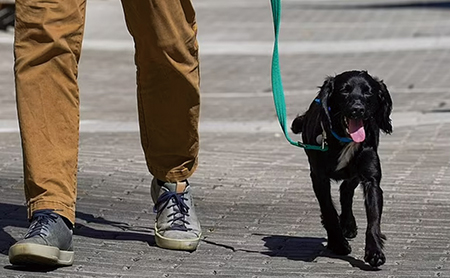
[
  {"x": 48, "y": 37},
  {"x": 166, "y": 58}
]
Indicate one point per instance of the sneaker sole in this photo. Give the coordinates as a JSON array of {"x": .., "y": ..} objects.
[
  {"x": 176, "y": 244},
  {"x": 36, "y": 254}
]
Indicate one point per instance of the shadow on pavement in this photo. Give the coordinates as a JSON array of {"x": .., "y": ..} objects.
[
  {"x": 41, "y": 269},
  {"x": 7, "y": 15},
  {"x": 305, "y": 249},
  {"x": 14, "y": 215}
]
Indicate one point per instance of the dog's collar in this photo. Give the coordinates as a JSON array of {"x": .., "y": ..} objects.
[
  {"x": 339, "y": 138},
  {"x": 342, "y": 139}
]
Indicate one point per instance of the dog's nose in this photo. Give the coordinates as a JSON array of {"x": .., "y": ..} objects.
[{"x": 357, "y": 111}]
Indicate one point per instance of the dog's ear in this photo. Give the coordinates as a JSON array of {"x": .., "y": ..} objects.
[
  {"x": 324, "y": 95},
  {"x": 383, "y": 114},
  {"x": 297, "y": 124}
]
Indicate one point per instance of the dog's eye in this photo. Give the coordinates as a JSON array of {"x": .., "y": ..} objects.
[
  {"x": 347, "y": 88},
  {"x": 367, "y": 92}
]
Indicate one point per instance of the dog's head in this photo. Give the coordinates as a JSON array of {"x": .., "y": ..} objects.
[{"x": 351, "y": 99}]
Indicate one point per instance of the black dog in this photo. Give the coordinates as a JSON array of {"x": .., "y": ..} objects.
[{"x": 347, "y": 115}]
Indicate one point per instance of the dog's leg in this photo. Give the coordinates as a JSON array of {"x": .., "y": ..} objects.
[
  {"x": 371, "y": 177},
  {"x": 347, "y": 220},
  {"x": 330, "y": 219}
]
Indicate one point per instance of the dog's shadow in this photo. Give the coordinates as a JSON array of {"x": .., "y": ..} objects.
[{"x": 306, "y": 249}]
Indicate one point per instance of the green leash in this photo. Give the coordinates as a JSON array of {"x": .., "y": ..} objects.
[{"x": 277, "y": 84}]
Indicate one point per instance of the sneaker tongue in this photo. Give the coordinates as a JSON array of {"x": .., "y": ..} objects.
[
  {"x": 181, "y": 187},
  {"x": 356, "y": 130},
  {"x": 178, "y": 187}
]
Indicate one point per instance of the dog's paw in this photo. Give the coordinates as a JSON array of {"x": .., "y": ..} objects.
[
  {"x": 374, "y": 257},
  {"x": 350, "y": 232},
  {"x": 341, "y": 247},
  {"x": 349, "y": 228}
]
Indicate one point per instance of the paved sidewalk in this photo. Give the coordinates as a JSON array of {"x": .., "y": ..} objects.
[{"x": 252, "y": 189}]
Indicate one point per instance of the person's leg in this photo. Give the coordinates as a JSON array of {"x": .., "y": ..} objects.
[
  {"x": 164, "y": 33},
  {"x": 48, "y": 37}
]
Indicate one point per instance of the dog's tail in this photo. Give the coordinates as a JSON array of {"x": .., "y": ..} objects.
[{"x": 297, "y": 124}]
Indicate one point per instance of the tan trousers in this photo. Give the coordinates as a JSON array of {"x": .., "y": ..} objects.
[{"x": 48, "y": 39}]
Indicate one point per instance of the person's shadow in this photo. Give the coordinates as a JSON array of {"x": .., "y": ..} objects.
[{"x": 13, "y": 216}]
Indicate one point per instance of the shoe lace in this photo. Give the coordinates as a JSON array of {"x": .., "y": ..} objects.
[
  {"x": 40, "y": 224},
  {"x": 177, "y": 219}
]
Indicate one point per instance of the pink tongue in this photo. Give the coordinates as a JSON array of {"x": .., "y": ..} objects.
[{"x": 356, "y": 130}]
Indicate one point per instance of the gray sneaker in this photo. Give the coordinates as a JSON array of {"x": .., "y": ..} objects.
[
  {"x": 177, "y": 226},
  {"x": 47, "y": 243}
]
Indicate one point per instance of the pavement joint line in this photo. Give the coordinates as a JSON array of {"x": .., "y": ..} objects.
[
  {"x": 313, "y": 93},
  {"x": 333, "y": 25},
  {"x": 399, "y": 119},
  {"x": 253, "y": 4},
  {"x": 264, "y": 48}
]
